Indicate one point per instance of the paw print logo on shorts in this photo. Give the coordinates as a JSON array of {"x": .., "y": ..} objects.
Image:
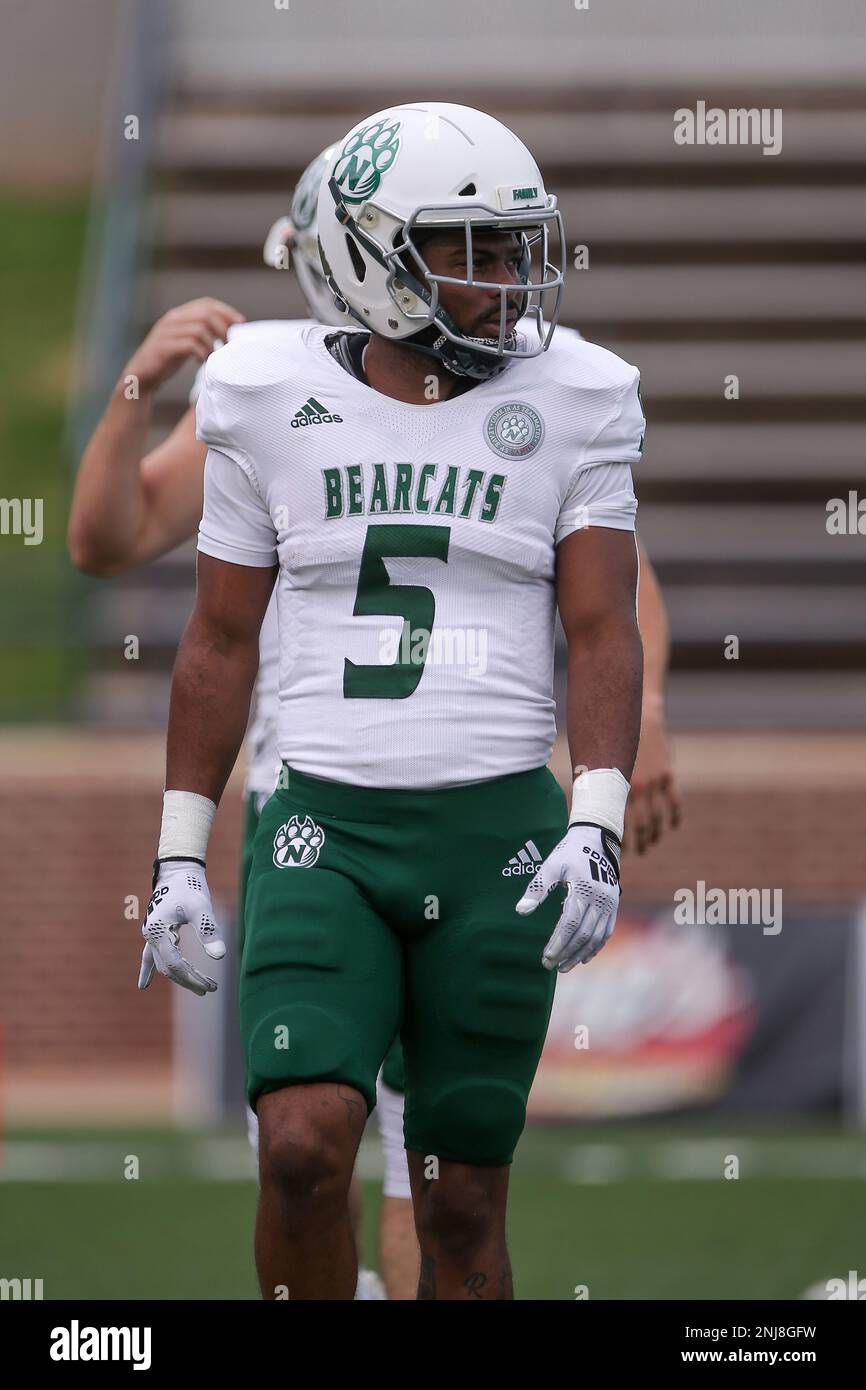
[{"x": 297, "y": 843}]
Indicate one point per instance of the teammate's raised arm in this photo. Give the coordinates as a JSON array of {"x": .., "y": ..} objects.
[{"x": 130, "y": 506}]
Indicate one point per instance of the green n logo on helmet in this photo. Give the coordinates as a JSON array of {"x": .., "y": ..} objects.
[{"x": 365, "y": 157}]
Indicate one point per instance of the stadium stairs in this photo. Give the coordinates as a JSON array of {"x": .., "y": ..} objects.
[{"x": 703, "y": 265}]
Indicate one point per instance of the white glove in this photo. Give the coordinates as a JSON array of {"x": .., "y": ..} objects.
[
  {"x": 586, "y": 860},
  {"x": 180, "y": 897}
]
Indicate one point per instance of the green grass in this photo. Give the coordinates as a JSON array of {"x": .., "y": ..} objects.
[
  {"x": 41, "y": 246},
  {"x": 170, "y": 1235}
]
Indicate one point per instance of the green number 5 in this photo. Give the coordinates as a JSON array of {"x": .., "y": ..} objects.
[{"x": 412, "y": 602}]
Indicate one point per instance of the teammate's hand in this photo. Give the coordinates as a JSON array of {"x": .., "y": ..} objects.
[
  {"x": 180, "y": 897},
  {"x": 586, "y": 860},
  {"x": 653, "y": 803},
  {"x": 190, "y": 330}
]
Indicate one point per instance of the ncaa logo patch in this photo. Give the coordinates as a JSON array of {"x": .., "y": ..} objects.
[
  {"x": 297, "y": 843},
  {"x": 514, "y": 430}
]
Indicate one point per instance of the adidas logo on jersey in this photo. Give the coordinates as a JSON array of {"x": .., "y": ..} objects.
[
  {"x": 525, "y": 861},
  {"x": 314, "y": 413}
]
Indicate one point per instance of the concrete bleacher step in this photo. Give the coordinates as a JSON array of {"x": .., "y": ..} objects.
[
  {"x": 198, "y": 143},
  {"x": 697, "y": 456},
  {"x": 747, "y": 534},
  {"x": 703, "y": 263},
  {"x": 729, "y": 696},
  {"x": 772, "y": 613},
  {"x": 721, "y": 293},
  {"x": 192, "y": 222}
]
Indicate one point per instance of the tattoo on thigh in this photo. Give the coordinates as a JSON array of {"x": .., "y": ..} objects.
[
  {"x": 427, "y": 1278},
  {"x": 354, "y": 1108},
  {"x": 474, "y": 1284}
]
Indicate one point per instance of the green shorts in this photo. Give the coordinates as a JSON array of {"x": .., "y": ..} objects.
[{"x": 372, "y": 911}]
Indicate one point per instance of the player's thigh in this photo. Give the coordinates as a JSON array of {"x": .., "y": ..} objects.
[
  {"x": 321, "y": 977},
  {"x": 478, "y": 999}
]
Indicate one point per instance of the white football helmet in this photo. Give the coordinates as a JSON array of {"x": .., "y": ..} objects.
[
  {"x": 429, "y": 165},
  {"x": 297, "y": 234}
]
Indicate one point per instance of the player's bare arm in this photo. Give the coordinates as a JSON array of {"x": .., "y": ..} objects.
[
  {"x": 130, "y": 505},
  {"x": 596, "y": 587},
  {"x": 596, "y": 584},
  {"x": 653, "y": 803},
  {"x": 210, "y": 702},
  {"x": 214, "y": 675}
]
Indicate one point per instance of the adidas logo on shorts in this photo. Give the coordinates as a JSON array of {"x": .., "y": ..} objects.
[
  {"x": 314, "y": 413},
  {"x": 525, "y": 861}
]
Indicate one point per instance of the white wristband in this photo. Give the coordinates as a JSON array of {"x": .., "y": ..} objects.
[
  {"x": 186, "y": 821},
  {"x": 599, "y": 798}
]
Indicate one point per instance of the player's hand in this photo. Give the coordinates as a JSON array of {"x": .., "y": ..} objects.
[
  {"x": 654, "y": 803},
  {"x": 586, "y": 860},
  {"x": 180, "y": 897},
  {"x": 190, "y": 330}
]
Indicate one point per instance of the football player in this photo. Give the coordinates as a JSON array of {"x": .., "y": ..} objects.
[
  {"x": 424, "y": 494},
  {"x": 121, "y": 518}
]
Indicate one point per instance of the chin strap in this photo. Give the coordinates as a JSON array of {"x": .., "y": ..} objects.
[{"x": 455, "y": 358}]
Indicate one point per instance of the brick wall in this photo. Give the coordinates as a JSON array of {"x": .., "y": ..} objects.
[
  {"x": 79, "y": 817},
  {"x": 79, "y": 820}
]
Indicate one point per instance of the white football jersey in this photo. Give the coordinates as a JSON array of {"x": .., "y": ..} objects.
[{"x": 416, "y": 545}]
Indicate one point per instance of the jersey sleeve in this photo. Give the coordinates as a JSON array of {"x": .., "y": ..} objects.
[
  {"x": 235, "y": 525},
  {"x": 600, "y": 495},
  {"x": 620, "y": 437}
]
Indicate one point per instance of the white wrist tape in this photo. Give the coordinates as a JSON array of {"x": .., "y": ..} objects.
[
  {"x": 186, "y": 822},
  {"x": 599, "y": 798}
]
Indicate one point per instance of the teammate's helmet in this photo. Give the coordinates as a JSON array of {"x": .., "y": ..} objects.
[
  {"x": 431, "y": 165},
  {"x": 298, "y": 233}
]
